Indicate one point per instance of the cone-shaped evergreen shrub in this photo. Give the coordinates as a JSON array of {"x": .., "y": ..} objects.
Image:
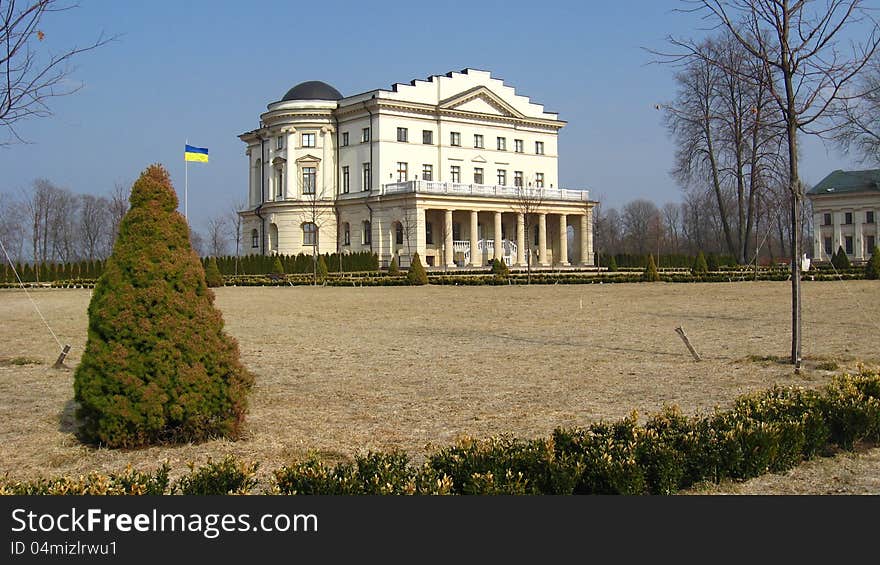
[
  {"x": 500, "y": 269},
  {"x": 700, "y": 266},
  {"x": 712, "y": 262},
  {"x": 612, "y": 264},
  {"x": 872, "y": 269},
  {"x": 277, "y": 267},
  {"x": 322, "y": 268},
  {"x": 416, "y": 274},
  {"x": 157, "y": 367},
  {"x": 212, "y": 274},
  {"x": 394, "y": 268},
  {"x": 840, "y": 260},
  {"x": 651, "y": 274}
]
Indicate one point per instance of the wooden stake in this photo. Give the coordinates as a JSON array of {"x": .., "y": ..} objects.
[
  {"x": 59, "y": 364},
  {"x": 680, "y": 331}
]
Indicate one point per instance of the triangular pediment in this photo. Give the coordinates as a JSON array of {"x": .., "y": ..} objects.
[
  {"x": 478, "y": 159},
  {"x": 308, "y": 158},
  {"x": 480, "y": 100}
]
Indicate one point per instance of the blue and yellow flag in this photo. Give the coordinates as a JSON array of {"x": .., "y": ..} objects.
[{"x": 199, "y": 154}]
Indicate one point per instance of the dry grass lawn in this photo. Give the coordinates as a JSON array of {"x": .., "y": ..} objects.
[{"x": 347, "y": 370}]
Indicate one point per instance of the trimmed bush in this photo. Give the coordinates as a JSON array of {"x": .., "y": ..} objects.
[
  {"x": 840, "y": 260},
  {"x": 157, "y": 366},
  {"x": 612, "y": 264},
  {"x": 394, "y": 268},
  {"x": 712, "y": 263},
  {"x": 416, "y": 274},
  {"x": 500, "y": 269},
  {"x": 700, "y": 267},
  {"x": 322, "y": 268},
  {"x": 277, "y": 266},
  {"x": 213, "y": 278},
  {"x": 228, "y": 476},
  {"x": 872, "y": 269},
  {"x": 650, "y": 274}
]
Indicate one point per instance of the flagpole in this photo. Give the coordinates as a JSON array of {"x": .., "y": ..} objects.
[{"x": 185, "y": 180}]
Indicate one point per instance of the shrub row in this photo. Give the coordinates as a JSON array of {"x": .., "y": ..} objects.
[
  {"x": 769, "y": 431},
  {"x": 301, "y": 263}
]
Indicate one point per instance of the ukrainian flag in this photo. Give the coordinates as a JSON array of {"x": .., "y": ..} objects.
[{"x": 199, "y": 154}]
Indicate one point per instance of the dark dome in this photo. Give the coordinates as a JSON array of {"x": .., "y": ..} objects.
[{"x": 312, "y": 90}]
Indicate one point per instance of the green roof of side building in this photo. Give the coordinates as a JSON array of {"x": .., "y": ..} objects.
[{"x": 842, "y": 182}]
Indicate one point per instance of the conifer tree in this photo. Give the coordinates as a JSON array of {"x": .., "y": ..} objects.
[
  {"x": 712, "y": 263},
  {"x": 416, "y": 274},
  {"x": 700, "y": 266},
  {"x": 393, "y": 268},
  {"x": 212, "y": 273},
  {"x": 651, "y": 274},
  {"x": 158, "y": 366},
  {"x": 612, "y": 264},
  {"x": 277, "y": 267},
  {"x": 840, "y": 260},
  {"x": 322, "y": 270},
  {"x": 872, "y": 269}
]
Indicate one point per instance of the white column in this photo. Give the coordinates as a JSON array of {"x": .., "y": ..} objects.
[
  {"x": 817, "y": 236},
  {"x": 838, "y": 236},
  {"x": 585, "y": 252},
  {"x": 476, "y": 254},
  {"x": 447, "y": 231},
  {"x": 291, "y": 171},
  {"x": 858, "y": 242},
  {"x": 563, "y": 240},
  {"x": 542, "y": 240},
  {"x": 520, "y": 241},
  {"x": 421, "y": 244},
  {"x": 496, "y": 233}
]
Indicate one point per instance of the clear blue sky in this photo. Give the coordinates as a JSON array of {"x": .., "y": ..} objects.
[{"x": 205, "y": 70}]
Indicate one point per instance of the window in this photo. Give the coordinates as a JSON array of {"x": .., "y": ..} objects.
[
  {"x": 365, "y": 135},
  {"x": 828, "y": 250},
  {"x": 398, "y": 233},
  {"x": 456, "y": 231},
  {"x": 310, "y": 233},
  {"x": 345, "y": 139},
  {"x": 309, "y": 180},
  {"x": 429, "y": 233},
  {"x": 848, "y": 244},
  {"x": 518, "y": 145},
  {"x": 308, "y": 140},
  {"x": 539, "y": 148},
  {"x": 427, "y": 137},
  {"x": 402, "y": 134},
  {"x": 826, "y": 219},
  {"x": 870, "y": 243},
  {"x": 455, "y": 139},
  {"x": 346, "y": 234},
  {"x": 279, "y": 183},
  {"x": 537, "y": 237},
  {"x": 539, "y": 180},
  {"x": 255, "y": 238},
  {"x": 402, "y": 172},
  {"x": 517, "y": 178},
  {"x": 279, "y": 142},
  {"x": 456, "y": 173},
  {"x": 366, "y": 178},
  {"x": 869, "y": 217},
  {"x": 478, "y": 175},
  {"x": 346, "y": 180},
  {"x": 427, "y": 172},
  {"x": 478, "y": 141},
  {"x": 502, "y": 177},
  {"x": 847, "y": 218},
  {"x": 502, "y": 144},
  {"x": 367, "y": 234}
]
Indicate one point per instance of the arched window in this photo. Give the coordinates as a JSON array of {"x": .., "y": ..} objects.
[
  {"x": 346, "y": 234},
  {"x": 273, "y": 237},
  {"x": 310, "y": 233},
  {"x": 255, "y": 238},
  {"x": 398, "y": 233}
]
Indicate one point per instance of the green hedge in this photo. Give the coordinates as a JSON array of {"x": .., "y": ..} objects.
[{"x": 769, "y": 431}]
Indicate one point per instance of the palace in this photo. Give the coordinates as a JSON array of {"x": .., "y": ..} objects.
[
  {"x": 845, "y": 208},
  {"x": 458, "y": 167}
]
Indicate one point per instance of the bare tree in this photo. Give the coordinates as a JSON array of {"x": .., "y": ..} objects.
[
  {"x": 671, "y": 214},
  {"x": 860, "y": 119},
  {"x": 217, "y": 236},
  {"x": 197, "y": 242},
  {"x": 528, "y": 201},
  {"x": 11, "y": 228},
  {"x": 117, "y": 207},
  {"x": 39, "y": 205},
  {"x": 235, "y": 224},
  {"x": 31, "y": 74},
  {"x": 94, "y": 226},
  {"x": 797, "y": 44},
  {"x": 639, "y": 224}
]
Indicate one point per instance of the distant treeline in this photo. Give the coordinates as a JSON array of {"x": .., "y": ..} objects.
[
  {"x": 677, "y": 261},
  {"x": 229, "y": 265}
]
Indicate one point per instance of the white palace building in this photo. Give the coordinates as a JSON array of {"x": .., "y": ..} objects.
[{"x": 455, "y": 167}]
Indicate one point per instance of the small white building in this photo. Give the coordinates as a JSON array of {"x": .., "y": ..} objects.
[
  {"x": 457, "y": 167},
  {"x": 845, "y": 212}
]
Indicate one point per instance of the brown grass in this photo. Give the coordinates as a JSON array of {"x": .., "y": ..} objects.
[{"x": 346, "y": 370}]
